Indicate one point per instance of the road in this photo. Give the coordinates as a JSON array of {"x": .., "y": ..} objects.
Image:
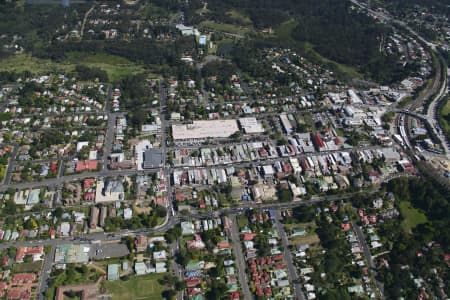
[
  {"x": 11, "y": 164},
  {"x": 368, "y": 256},
  {"x": 45, "y": 272},
  {"x": 438, "y": 88},
  {"x": 85, "y": 19},
  {"x": 240, "y": 261},
  {"x": 288, "y": 259}
]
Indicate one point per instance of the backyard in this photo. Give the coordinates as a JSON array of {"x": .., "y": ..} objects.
[{"x": 145, "y": 287}]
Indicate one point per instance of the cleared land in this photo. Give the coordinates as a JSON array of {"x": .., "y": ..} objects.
[
  {"x": 412, "y": 216},
  {"x": 145, "y": 287},
  {"x": 226, "y": 28},
  {"x": 32, "y": 267},
  {"x": 116, "y": 66}
]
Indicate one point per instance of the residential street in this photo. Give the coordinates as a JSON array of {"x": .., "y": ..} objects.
[
  {"x": 240, "y": 260},
  {"x": 288, "y": 258}
]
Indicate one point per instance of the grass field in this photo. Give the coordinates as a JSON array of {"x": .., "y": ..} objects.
[
  {"x": 144, "y": 287},
  {"x": 227, "y": 28},
  {"x": 116, "y": 66},
  {"x": 412, "y": 216},
  {"x": 32, "y": 267}
]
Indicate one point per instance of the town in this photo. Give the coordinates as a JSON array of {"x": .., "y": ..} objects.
[{"x": 261, "y": 175}]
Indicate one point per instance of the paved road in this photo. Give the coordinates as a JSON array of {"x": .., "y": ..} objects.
[
  {"x": 11, "y": 164},
  {"x": 288, "y": 258},
  {"x": 45, "y": 272},
  {"x": 368, "y": 255},
  {"x": 240, "y": 261}
]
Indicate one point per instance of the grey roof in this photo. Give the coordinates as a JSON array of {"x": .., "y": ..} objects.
[{"x": 152, "y": 158}]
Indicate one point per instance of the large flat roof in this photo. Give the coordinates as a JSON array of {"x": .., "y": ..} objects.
[{"x": 204, "y": 129}]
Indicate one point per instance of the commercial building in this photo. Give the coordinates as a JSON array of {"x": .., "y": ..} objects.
[
  {"x": 152, "y": 158},
  {"x": 70, "y": 253},
  {"x": 251, "y": 125},
  {"x": 202, "y": 130}
]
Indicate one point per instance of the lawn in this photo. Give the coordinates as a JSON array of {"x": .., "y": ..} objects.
[
  {"x": 32, "y": 267},
  {"x": 145, "y": 287},
  {"x": 242, "y": 221},
  {"x": 116, "y": 66},
  {"x": 411, "y": 216}
]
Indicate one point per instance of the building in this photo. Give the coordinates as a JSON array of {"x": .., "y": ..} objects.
[
  {"x": 202, "y": 130},
  {"x": 287, "y": 126},
  {"x": 94, "y": 217},
  {"x": 113, "y": 272},
  {"x": 186, "y": 30},
  {"x": 37, "y": 253},
  {"x": 202, "y": 40},
  {"x": 153, "y": 158},
  {"x": 103, "y": 213},
  {"x": 70, "y": 253},
  {"x": 251, "y": 125},
  {"x": 141, "y": 243},
  {"x": 33, "y": 197}
]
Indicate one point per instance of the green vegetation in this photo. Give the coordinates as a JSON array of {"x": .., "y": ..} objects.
[
  {"x": 227, "y": 28},
  {"x": 115, "y": 66},
  {"x": 284, "y": 33},
  {"x": 32, "y": 267},
  {"x": 242, "y": 221},
  {"x": 146, "y": 287},
  {"x": 444, "y": 116},
  {"x": 411, "y": 216},
  {"x": 73, "y": 274},
  {"x": 424, "y": 205}
]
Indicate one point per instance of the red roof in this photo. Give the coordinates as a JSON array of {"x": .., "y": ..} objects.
[
  {"x": 249, "y": 236},
  {"x": 18, "y": 293},
  {"x": 54, "y": 166},
  {"x": 223, "y": 245},
  {"x": 23, "y": 277},
  {"x": 192, "y": 282},
  {"x": 89, "y": 165},
  {"x": 22, "y": 251},
  {"x": 345, "y": 226},
  {"x": 88, "y": 182},
  {"x": 317, "y": 139},
  {"x": 277, "y": 257}
]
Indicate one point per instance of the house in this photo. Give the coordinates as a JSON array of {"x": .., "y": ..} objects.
[
  {"x": 86, "y": 165},
  {"x": 160, "y": 255},
  {"x": 141, "y": 243},
  {"x": 187, "y": 228},
  {"x": 37, "y": 253},
  {"x": 113, "y": 272},
  {"x": 21, "y": 278}
]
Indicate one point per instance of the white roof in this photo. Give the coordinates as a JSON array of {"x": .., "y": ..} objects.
[{"x": 204, "y": 129}]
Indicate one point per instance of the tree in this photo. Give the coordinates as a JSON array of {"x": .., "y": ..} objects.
[{"x": 58, "y": 212}]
